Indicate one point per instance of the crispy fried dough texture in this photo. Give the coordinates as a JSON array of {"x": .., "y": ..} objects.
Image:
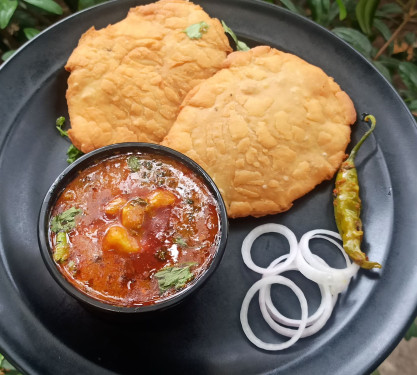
[
  {"x": 128, "y": 80},
  {"x": 267, "y": 128}
]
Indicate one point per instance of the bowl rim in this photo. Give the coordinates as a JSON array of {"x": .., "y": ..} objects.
[{"x": 85, "y": 161}]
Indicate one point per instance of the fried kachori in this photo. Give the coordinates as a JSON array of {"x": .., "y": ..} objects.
[
  {"x": 128, "y": 80},
  {"x": 267, "y": 128}
]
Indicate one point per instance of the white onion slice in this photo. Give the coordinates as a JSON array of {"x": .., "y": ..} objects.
[
  {"x": 314, "y": 322},
  {"x": 331, "y": 282},
  {"x": 265, "y": 297},
  {"x": 314, "y": 259},
  {"x": 337, "y": 279},
  {"x": 268, "y": 228},
  {"x": 245, "y": 307}
]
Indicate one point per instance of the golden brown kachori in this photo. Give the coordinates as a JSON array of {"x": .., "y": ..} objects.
[
  {"x": 267, "y": 128},
  {"x": 128, "y": 80}
]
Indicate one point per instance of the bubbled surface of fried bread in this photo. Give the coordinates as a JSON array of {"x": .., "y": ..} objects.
[
  {"x": 267, "y": 128},
  {"x": 128, "y": 80}
]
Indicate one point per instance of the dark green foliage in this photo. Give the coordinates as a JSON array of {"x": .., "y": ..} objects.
[
  {"x": 7, "y": 368},
  {"x": 21, "y": 20},
  {"x": 383, "y": 31},
  {"x": 412, "y": 331}
]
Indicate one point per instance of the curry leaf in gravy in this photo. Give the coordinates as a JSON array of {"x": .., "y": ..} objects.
[
  {"x": 197, "y": 30},
  {"x": 65, "y": 221},
  {"x": 134, "y": 163},
  {"x": 174, "y": 277}
]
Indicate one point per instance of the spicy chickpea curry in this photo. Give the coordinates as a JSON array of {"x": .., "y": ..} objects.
[{"x": 133, "y": 229}]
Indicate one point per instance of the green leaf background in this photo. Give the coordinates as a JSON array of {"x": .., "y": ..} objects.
[{"x": 7, "y": 9}]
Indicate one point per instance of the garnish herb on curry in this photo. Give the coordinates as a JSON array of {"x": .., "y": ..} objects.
[{"x": 134, "y": 229}]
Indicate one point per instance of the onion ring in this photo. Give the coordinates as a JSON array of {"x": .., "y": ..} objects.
[
  {"x": 337, "y": 279},
  {"x": 331, "y": 282},
  {"x": 265, "y": 297},
  {"x": 268, "y": 228},
  {"x": 245, "y": 307},
  {"x": 314, "y": 322}
]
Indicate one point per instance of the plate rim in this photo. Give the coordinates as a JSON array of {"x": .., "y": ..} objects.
[{"x": 259, "y": 3}]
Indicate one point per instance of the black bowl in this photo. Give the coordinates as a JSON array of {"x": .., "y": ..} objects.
[{"x": 91, "y": 158}]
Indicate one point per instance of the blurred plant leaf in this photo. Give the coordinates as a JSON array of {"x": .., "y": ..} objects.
[
  {"x": 84, "y": 4},
  {"x": 49, "y": 6},
  {"x": 24, "y": 19},
  {"x": 342, "y": 9},
  {"x": 383, "y": 28},
  {"x": 356, "y": 39},
  {"x": 365, "y": 14},
  {"x": 333, "y": 13},
  {"x": 413, "y": 108},
  {"x": 7, "y": 54},
  {"x": 291, "y": 6},
  {"x": 412, "y": 331},
  {"x": 319, "y": 10},
  {"x": 7, "y": 368},
  {"x": 383, "y": 70},
  {"x": 7, "y": 9},
  {"x": 408, "y": 74},
  {"x": 410, "y": 38},
  {"x": 388, "y": 10},
  {"x": 30, "y": 32},
  {"x": 389, "y": 62}
]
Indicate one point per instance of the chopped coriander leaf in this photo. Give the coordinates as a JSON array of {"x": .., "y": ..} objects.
[
  {"x": 60, "y": 122},
  {"x": 174, "y": 277},
  {"x": 65, "y": 221},
  {"x": 180, "y": 241},
  {"x": 197, "y": 30},
  {"x": 61, "y": 251},
  {"x": 134, "y": 163},
  {"x": 240, "y": 46},
  {"x": 73, "y": 154}
]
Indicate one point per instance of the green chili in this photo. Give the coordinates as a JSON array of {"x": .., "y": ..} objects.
[{"x": 347, "y": 205}]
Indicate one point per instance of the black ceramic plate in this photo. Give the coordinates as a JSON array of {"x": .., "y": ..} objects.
[{"x": 45, "y": 331}]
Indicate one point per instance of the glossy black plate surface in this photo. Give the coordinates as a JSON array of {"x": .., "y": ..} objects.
[{"x": 45, "y": 331}]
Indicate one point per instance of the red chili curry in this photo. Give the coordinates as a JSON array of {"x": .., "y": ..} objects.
[{"x": 134, "y": 229}]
